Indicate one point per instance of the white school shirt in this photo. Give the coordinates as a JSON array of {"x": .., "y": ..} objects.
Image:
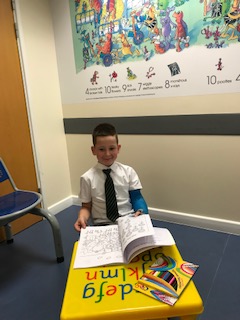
[{"x": 92, "y": 189}]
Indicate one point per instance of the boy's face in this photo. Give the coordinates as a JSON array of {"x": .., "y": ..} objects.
[{"x": 106, "y": 150}]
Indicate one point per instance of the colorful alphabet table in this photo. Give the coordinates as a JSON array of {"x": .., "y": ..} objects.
[{"x": 107, "y": 293}]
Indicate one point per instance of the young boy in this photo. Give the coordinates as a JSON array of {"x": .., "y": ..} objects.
[{"x": 92, "y": 183}]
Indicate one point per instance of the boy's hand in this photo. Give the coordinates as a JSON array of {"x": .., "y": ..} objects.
[
  {"x": 137, "y": 213},
  {"x": 80, "y": 223},
  {"x": 83, "y": 217}
]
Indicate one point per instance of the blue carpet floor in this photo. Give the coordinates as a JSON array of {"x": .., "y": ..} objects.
[{"x": 32, "y": 284}]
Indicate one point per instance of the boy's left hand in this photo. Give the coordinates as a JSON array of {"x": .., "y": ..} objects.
[{"x": 137, "y": 213}]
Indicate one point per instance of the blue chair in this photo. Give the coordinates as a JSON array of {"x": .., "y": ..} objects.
[{"x": 21, "y": 202}]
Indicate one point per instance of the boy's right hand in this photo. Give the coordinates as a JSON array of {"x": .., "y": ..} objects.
[
  {"x": 83, "y": 217},
  {"x": 80, "y": 223}
]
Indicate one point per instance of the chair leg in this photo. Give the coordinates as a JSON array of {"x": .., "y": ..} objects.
[
  {"x": 56, "y": 231},
  {"x": 8, "y": 233}
]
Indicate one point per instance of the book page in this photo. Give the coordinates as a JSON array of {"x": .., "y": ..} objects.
[
  {"x": 98, "y": 245},
  {"x": 161, "y": 237},
  {"x": 131, "y": 228}
]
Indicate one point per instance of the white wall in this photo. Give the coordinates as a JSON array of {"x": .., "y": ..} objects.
[
  {"x": 187, "y": 179},
  {"x": 44, "y": 99}
]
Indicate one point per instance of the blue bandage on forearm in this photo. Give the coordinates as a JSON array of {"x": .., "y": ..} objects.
[{"x": 137, "y": 200}]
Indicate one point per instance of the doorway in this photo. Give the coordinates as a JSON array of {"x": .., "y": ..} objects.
[{"x": 15, "y": 138}]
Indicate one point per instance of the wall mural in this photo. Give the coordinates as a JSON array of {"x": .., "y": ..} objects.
[{"x": 136, "y": 49}]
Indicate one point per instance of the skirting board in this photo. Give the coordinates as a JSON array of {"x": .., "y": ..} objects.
[
  {"x": 208, "y": 223},
  {"x": 62, "y": 205}
]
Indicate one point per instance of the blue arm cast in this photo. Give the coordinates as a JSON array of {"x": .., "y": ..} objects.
[{"x": 137, "y": 200}]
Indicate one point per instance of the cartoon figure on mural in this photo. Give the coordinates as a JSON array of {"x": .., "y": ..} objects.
[
  {"x": 94, "y": 77},
  {"x": 130, "y": 74},
  {"x": 118, "y": 31},
  {"x": 219, "y": 65},
  {"x": 181, "y": 31},
  {"x": 113, "y": 76},
  {"x": 150, "y": 72},
  {"x": 174, "y": 68},
  {"x": 167, "y": 26}
]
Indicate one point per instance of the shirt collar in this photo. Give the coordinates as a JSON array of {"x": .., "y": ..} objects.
[{"x": 101, "y": 166}]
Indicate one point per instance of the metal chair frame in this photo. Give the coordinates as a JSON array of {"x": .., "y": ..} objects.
[{"x": 21, "y": 202}]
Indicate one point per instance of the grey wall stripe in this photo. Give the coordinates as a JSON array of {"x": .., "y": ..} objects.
[{"x": 202, "y": 124}]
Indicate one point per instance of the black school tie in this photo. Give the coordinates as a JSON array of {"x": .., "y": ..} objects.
[{"x": 111, "y": 201}]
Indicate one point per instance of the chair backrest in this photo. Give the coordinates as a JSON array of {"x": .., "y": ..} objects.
[{"x": 5, "y": 175}]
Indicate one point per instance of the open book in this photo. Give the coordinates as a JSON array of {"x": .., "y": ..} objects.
[
  {"x": 166, "y": 279},
  {"x": 119, "y": 244}
]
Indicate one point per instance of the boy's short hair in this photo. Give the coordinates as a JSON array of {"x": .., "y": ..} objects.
[{"x": 103, "y": 130}]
